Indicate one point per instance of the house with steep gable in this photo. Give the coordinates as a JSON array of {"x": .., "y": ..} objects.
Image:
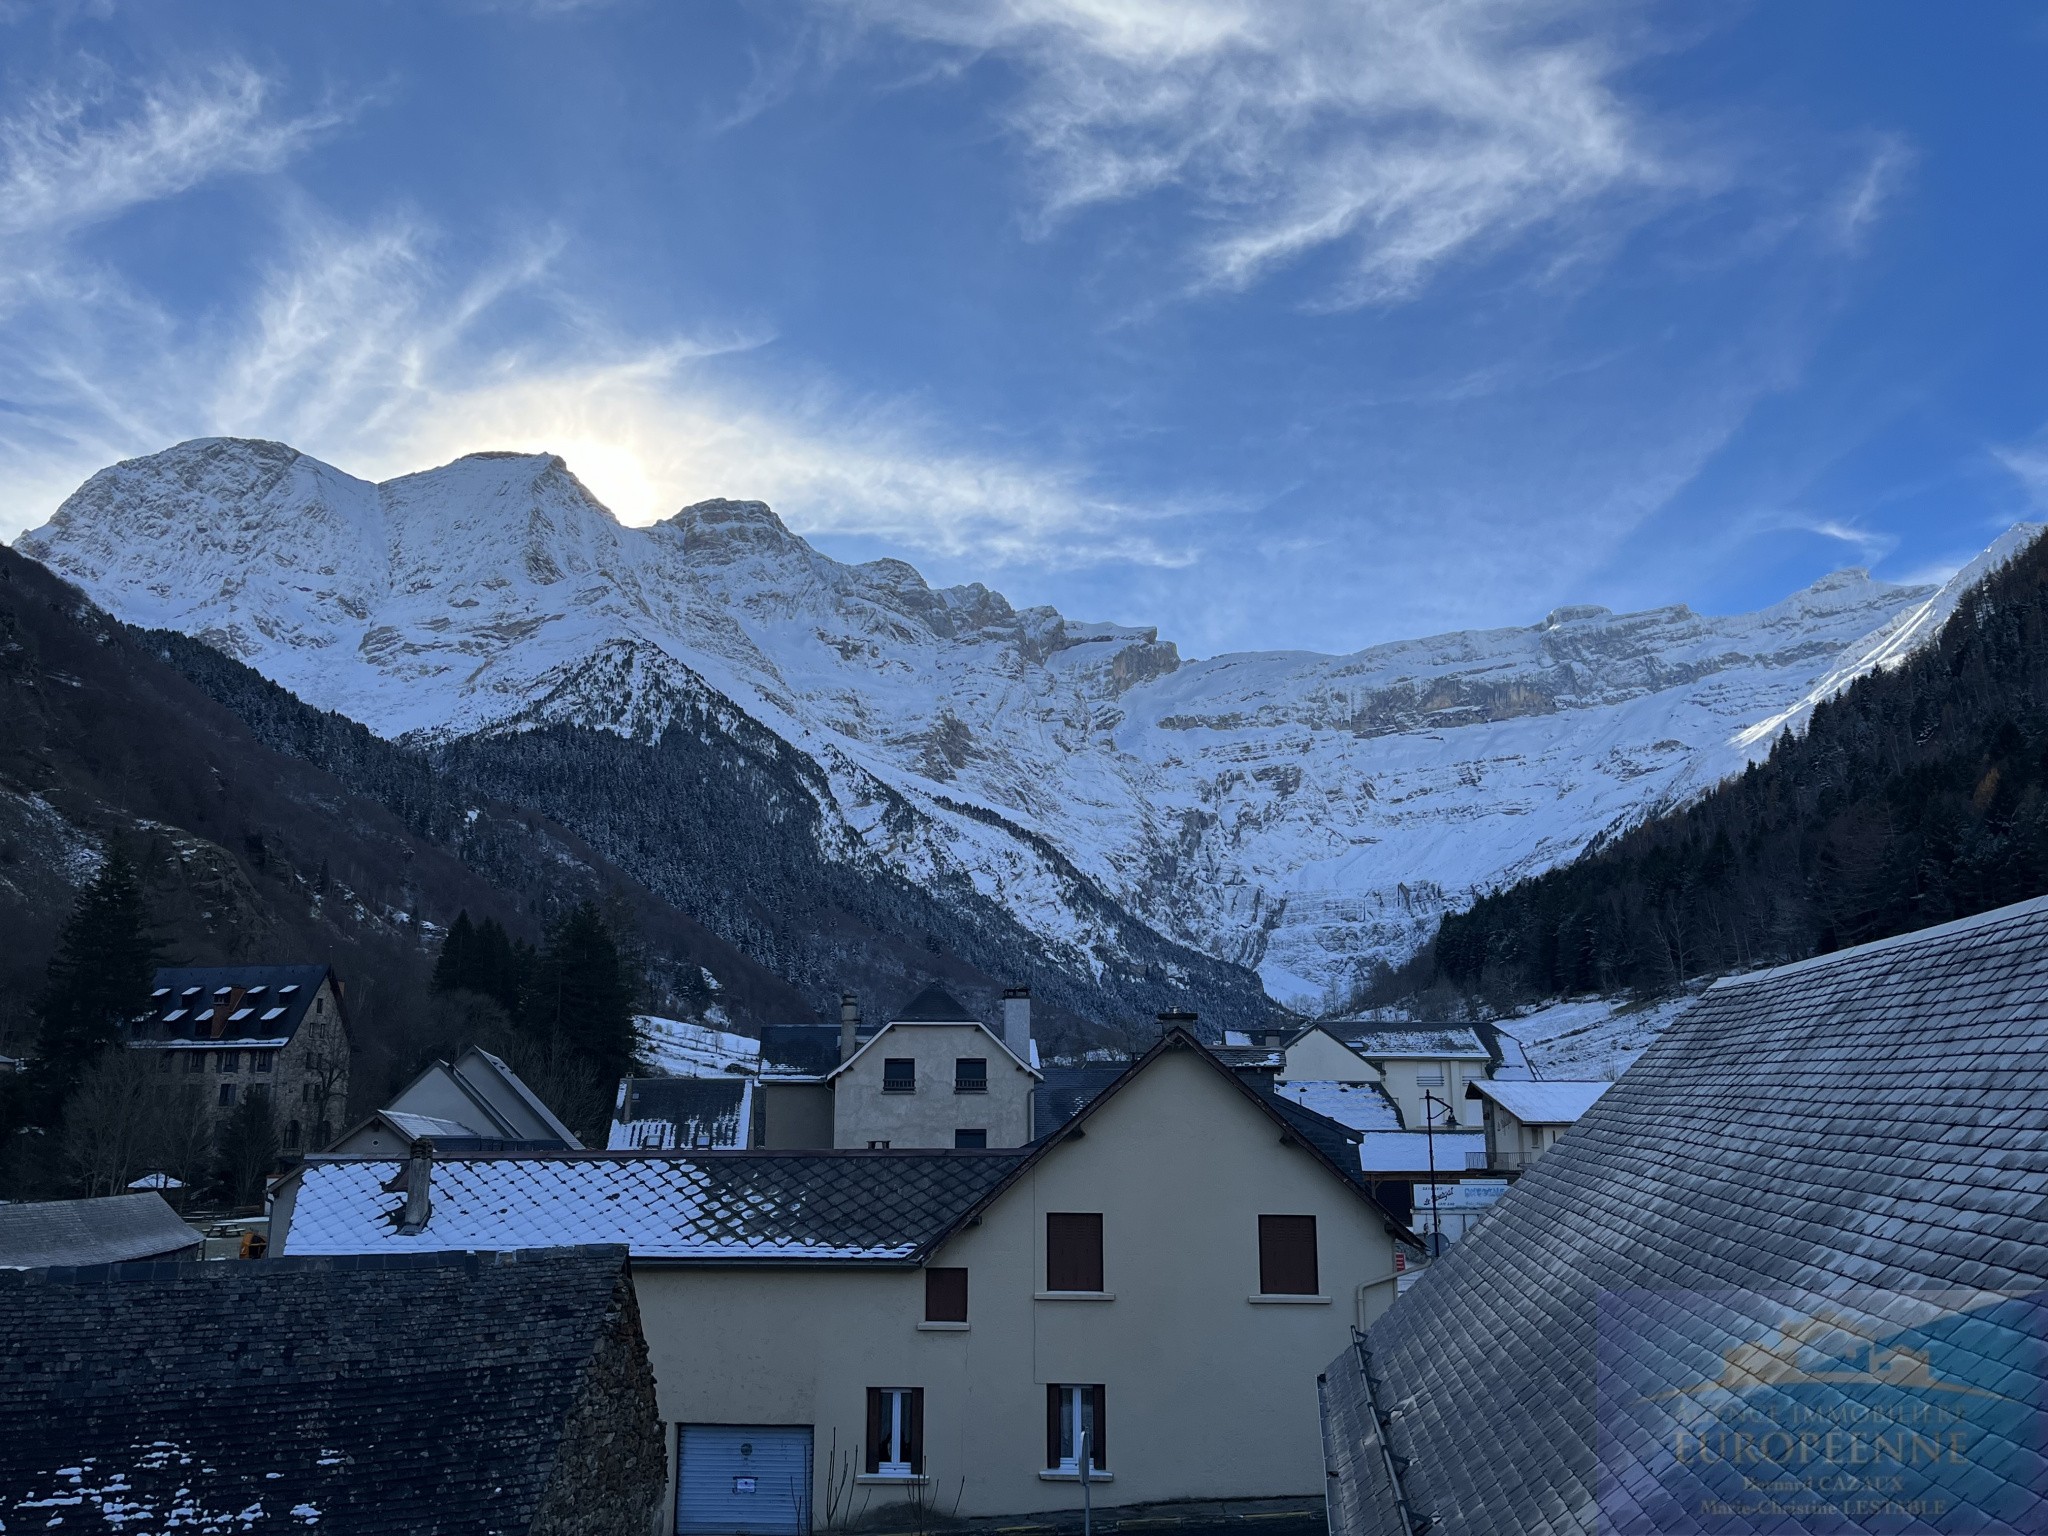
[
  {"x": 475, "y": 1104},
  {"x": 855, "y": 1336},
  {"x": 232, "y": 1032}
]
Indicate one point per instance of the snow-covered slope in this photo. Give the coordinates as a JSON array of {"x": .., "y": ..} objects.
[{"x": 1300, "y": 813}]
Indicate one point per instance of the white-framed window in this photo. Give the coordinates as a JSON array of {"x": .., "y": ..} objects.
[
  {"x": 895, "y": 1431},
  {"x": 1072, "y": 1413}
]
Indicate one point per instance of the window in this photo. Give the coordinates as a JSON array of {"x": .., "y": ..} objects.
[
  {"x": 323, "y": 1133},
  {"x": 895, "y": 1432},
  {"x": 1430, "y": 1077},
  {"x": 970, "y": 1074},
  {"x": 196, "y": 1062},
  {"x": 945, "y": 1295},
  {"x": 291, "y": 1135},
  {"x": 1073, "y": 1250},
  {"x": 1287, "y": 1256},
  {"x": 305, "y": 1093},
  {"x": 899, "y": 1075},
  {"x": 1072, "y": 1412},
  {"x": 970, "y": 1138},
  {"x": 227, "y": 1093},
  {"x": 261, "y": 1061},
  {"x": 258, "y": 1091},
  {"x": 231, "y": 1061}
]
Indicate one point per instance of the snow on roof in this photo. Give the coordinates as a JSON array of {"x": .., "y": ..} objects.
[
  {"x": 1394, "y": 1152},
  {"x": 1447, "y": 1042},
  {"x": 428, "y": 1126},
  {"x": 1542, "y": 1103},
  {"x": 731, "y": 1206},
  {"x": 1361, "y": 1106}
]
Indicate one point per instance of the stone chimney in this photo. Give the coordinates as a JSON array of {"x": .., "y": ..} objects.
[
  {"x": 1177, "y": 1018},
  {"x": 418, "y": 1177},
  {"x": 849, "y": 1025},
  {"x": 1017, "y": 1022}
]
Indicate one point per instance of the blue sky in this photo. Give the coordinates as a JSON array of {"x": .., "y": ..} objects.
[{"x": 1275, "y": 323}]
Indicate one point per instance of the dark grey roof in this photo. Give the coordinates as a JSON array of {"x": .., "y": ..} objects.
[
  {"x": 1065, "y": 1091},
  {"x": 1250, "y": 1058},
  {"x": 193, "y": 1006},
  {"x": 934, "y": 1005},
  {"x": 400, "y": 1395},
  {"x": 1876, "y": 1118},
  {"x": 699, "y": 1207},
  {"x": 704, "y": 1111},
  {"x": 1337, "y": 1142},
  {"x": 113, "y": 1230},
  {"x": 809, "y": 1049}
]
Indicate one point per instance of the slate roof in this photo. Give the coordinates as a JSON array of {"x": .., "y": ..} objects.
[
  {"x": 260, "y": 1003},
  {"x": 1872, "y": 1118},
  {"x": 706, "y": 1207},
  {"x": 1541, "y": 1103},
  {"x": 1452, "y": 1042},
  {"x": 416, "y": 1394},
  {"x": 1066, "y": 1091},
  {"x": 113, "y": 1230},
  {"x": 934, "y": 1005},
  {"x": 679, "y": 1113},
  {"x": 1250, "y": 1058},
  {"x": 1361, "y": 1106},
  {"x": 807, "y": 1050}
]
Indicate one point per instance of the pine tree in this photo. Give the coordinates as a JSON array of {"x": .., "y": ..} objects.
[
  {"x": 482, "y": 958},
  {"x": 98, "y": 980},
  {"x": 457, "y": 961},
  {"x": 582, "y": 993}
]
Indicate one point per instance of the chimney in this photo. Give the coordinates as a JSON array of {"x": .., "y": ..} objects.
[
  {"x": 1017, "y": 1022},
  {"x": 1275, "y": 1038},
  {"x": 849, "y": 1024},
  {"x": 1177, "y": 1018},
  {"x": 419, "y": 1189}
]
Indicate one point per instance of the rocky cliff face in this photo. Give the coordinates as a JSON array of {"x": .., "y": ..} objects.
[{"x": 1297, "y": 813}]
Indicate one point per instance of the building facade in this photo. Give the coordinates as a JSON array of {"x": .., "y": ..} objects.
[
  {"x": 275, "y": 1032},
  {"x": 1165, "y": 1276}
]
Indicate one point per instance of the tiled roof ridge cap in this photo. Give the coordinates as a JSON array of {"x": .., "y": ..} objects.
[
  {"x": 1939, "y": 932},
  {"x": 674, "y": 1155},
  {"x": 218, "y": 1274}
]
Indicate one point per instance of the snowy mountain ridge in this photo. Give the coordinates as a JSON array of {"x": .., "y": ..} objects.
[{"x": 1299, "y": 813}]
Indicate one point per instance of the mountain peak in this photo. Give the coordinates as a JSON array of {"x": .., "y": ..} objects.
[{"x": 721, "y": 525}]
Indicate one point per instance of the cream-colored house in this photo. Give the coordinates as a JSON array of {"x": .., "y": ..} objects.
[
  {"x": 1426, "y": 1069},
  {"x": 834, "y": 1333},
  {"x": 1524, "y": 1120},
  {"x": 933, "y": 1076}
]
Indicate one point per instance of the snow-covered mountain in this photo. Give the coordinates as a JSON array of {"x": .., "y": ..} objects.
[{"x": 1298, "y": 813}]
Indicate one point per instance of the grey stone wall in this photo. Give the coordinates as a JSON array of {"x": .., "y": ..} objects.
[{"x": 612, "y": 1466}]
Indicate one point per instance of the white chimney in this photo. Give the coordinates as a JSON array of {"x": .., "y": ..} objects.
[{"x": 1017, "y": 1022}]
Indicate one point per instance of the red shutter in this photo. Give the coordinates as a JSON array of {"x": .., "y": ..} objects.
[
  {"x": 1098, "y": 1440},
  {"x": 1052, "y": 1427},
  {"x": 878, "y": 1429},
  {"x": 913, "y": 1432},
  {"x": 1287, "y": 1256},
  {"x": 945, "y": 1295},
  {"x": 1073, "y": 1251}
]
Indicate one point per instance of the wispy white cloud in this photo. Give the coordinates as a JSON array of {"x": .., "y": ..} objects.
[
  {"x": 1404, "y": 134},
  {"x": 359, "y": 349},
  {"x": 73, "y": 157}
]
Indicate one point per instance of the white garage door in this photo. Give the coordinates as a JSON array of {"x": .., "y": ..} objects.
[{"x": 744, "y": 1480}]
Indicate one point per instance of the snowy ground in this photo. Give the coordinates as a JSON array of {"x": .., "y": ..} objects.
[
  {"x": 677, "y": 1048},
  {"x": 1594, "y": 1037}
]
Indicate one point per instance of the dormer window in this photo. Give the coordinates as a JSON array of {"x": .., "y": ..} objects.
[{"x": 899, "y": 1075}]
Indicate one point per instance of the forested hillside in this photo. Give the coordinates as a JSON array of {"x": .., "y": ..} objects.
[{"x": 1918, "y": 795}]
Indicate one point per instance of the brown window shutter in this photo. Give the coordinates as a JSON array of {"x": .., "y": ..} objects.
[
  {"x": 1287, "y": 1256},
  {"x": 1052, "y": 1426},
  {"x": 945, "y": 1295},
  {"x": 1098, "y": 1437},
  {"x": 878, "y": 1429},
  {"x": 913, "y": 1432},
  {"x": 1073, "y": 1251}
]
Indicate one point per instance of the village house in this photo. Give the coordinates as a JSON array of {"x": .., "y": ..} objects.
[
  {"x": 858, "y": 1336},
  {"x": 275, "y": 1032},
  {"x": 1522, "y": 1120},
  {"x": 475, "y": 1104},
  {"x": 932, "y": 1076},
  {"x": 1813, "y": 1204},
  {"x": 461, "y": 1392}
]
